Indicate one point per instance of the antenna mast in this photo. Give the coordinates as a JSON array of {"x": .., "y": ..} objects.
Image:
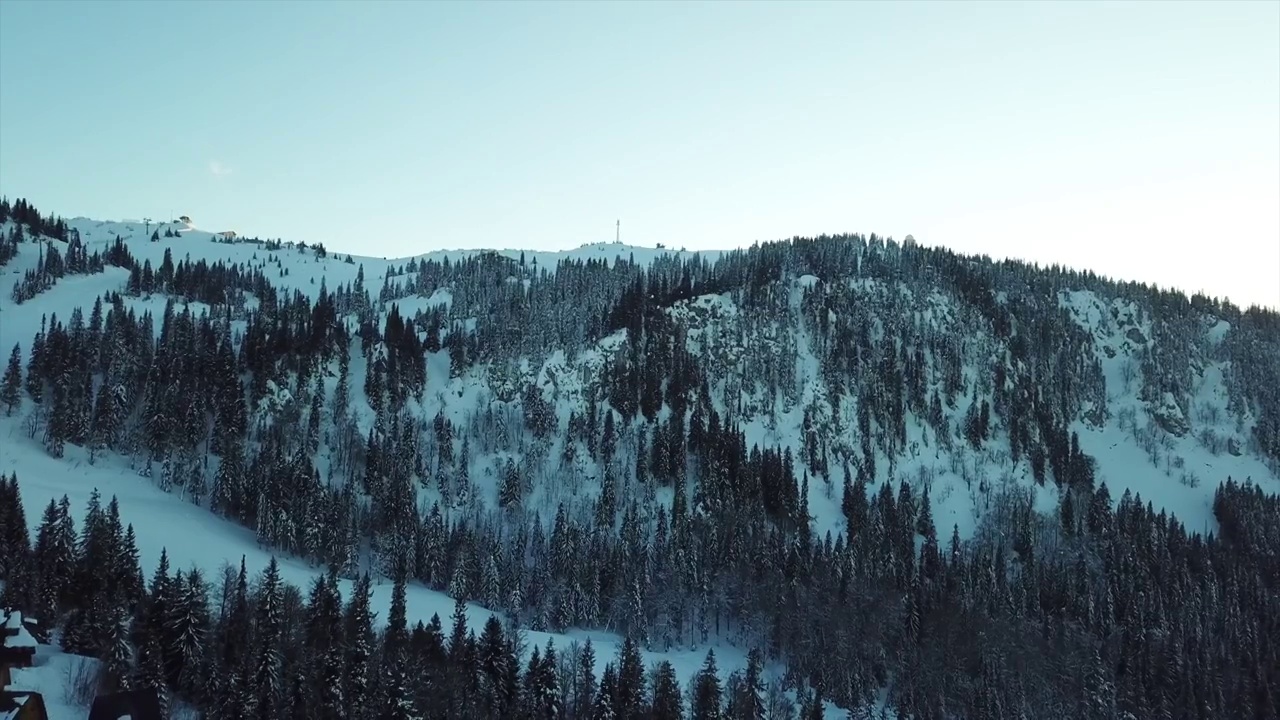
[{"x": 618, "y": 238}]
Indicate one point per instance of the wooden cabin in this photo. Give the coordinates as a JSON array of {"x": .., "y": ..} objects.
[
  {"x": 18, "y": 705},
  {"x": 17, "y": 644}
]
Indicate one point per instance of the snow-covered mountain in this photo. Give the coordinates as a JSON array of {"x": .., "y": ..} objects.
[{"x": 750, "y": 450}]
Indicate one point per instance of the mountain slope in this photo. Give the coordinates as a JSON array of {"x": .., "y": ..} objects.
[{"x": 629, "y": 440}]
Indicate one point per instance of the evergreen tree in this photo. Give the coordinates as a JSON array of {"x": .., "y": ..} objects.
[
  {"x": 54, "y": 561},
  {"x": 231, "y": 690},
  {"x": 150, "y": 673},
  {"x": 668, "y": 704},
  {"x": 118, "y": 655},
  {"x": 358, "y": 620},
  {"x": 602, "y": 706},
  {"x": 854, "y": 505},
  {"x": 1066, "y": 512},
  {"x": 629, "y": 692},
  {"x": 584, "y": 696},
  {"x": 397, "y": 696},
  {"x": 187, "y": 630},
  {"x": 11, "y": 385},
  {"x": 705, "y": 704},
  {"x": 269, "y": 634},
  {"x": 541, "y": 689},
  {"x": 746, "y": 700},
  {"x": 495, "y": 662},
  {"x": 15, "y": 545}
]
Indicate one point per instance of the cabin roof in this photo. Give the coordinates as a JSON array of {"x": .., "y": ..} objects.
[
  {"x": 15, "y": 632},
  {"x": 12, "y": 703}
]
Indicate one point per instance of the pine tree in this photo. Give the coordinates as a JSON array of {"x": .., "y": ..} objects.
[
  {"x": 187, "y": 629},
  {"x": 359, "y": 631},
  {"x": 668, "y": 704},
  {"x": 99, "y": 577},
  {"x": 511, "y": 491},
  {"x": 322, "y": 643},
  {"x": 314, "y": 416},
  {"x": 603, "y": 704},
  {"x": 746, "y": 700},
  {"x": 706, "y": 691},
  {"x": 397, "y": 630},
  {"x": 160, "y": 600},
  {"x": 269, "y": 622},
  {"x": 495, "y": 662},
  {"x": 530, "y": 689},
  {"x": 584, "y": 682},
  {"x": 150, "y": 673},
  {"x": 924, "y": 520},
  {"x": 1066, "y": 512},
  {"x": 15, "y": 548},
  {"x": 15, "y": 541},
  {"x": 630, "y": 690},
  {"x": 11, "y": 385},
  {"x": 397, "y": 697},
  {"x": 1099, "y": 697},
  {"x": 231, "y": 695},
  {"x": 53, "y": 565},
  {"x": 36, "y": 367},
  {"x": 398, "y": 702},
  {"x": 549, "y": 701},
  {"x": 854, "y": 505},
  {"x": 814, "y": 709},
  {"x": 118, "y": 655}
]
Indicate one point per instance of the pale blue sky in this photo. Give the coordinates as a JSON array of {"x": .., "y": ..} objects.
[{"x": 1140, "y": 140}]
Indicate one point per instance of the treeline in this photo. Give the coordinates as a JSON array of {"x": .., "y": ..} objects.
[
  {"x": 52, "y": 265},
  {"x": 1125, "y": 614},
  {"x": 235, "y": 647},
  {"x": 25, "y": 215}
]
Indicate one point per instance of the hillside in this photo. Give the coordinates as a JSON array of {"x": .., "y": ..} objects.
[{"x": 890, "y": 471}]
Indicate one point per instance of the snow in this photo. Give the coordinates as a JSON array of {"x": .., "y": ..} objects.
[
  {"x": 1218, "y": 331},
  {"x": 16, "y": 633},
  {"x": 411, "y": 306},
  {"x": 52, "y": 677},
  {"x": 1184, "y": 474}
]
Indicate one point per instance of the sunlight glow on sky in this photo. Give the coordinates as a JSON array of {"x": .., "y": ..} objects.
[{"x": 1139, "y": 140}]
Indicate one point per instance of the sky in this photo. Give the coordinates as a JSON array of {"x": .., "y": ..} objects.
[{"x": 1139, "y": 140}]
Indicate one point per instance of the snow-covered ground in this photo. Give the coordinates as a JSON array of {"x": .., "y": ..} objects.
[{"x": 54, "y": 676}]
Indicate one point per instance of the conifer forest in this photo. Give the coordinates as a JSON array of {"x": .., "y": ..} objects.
[{"x": 848, "y": 477}]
